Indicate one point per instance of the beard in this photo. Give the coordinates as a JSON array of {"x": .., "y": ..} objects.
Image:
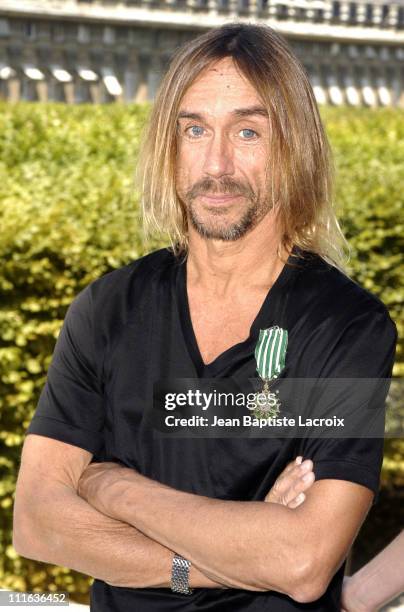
[{"x": 216, "y": 226}]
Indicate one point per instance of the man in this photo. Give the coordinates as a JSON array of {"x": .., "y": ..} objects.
[{"x": 236, "y": 168}]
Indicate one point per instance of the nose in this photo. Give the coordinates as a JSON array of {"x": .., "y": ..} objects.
[{"x": 218, "y": 159}]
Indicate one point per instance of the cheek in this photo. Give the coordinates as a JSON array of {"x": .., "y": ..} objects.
[
  {"x": 186, "y": 167},
  {"x": 180, "y": 176},
  {"x": 252, "y": 158},
  {"x": 251, "y": 164}
]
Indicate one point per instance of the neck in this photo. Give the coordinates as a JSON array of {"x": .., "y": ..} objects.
[{"x": 225, "y": 268}]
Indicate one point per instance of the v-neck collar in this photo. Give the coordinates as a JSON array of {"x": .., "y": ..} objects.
[{"x": 266, "y": 316}]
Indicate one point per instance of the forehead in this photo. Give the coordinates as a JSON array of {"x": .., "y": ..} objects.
[{"x": 221, "y": 86}]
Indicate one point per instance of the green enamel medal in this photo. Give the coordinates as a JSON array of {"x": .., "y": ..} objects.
[{"x": 270, "y": 354}]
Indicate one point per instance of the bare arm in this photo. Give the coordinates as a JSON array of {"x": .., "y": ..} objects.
[
  {"x": 378, "y": 582},
  {"x": 249, "y": 545},
  {"x": 53, "y": 524}
]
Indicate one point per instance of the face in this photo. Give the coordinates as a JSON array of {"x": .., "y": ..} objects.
[{"x": 223, "y": 146}]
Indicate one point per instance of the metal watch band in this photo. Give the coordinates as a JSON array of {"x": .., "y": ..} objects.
[{"x": 180, "y": 575}]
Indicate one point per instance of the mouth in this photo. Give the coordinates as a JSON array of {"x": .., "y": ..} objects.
[{"x": 219, "y": 198}]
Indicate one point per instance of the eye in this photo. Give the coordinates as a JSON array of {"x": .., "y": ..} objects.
[
  {"x": 194, "y": 131},
  {"x": 248, "y": 134}
]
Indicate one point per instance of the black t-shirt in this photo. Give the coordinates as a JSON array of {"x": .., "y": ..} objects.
[{"x": 132, "y": 327}]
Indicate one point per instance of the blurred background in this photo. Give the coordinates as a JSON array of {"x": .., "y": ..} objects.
[
  {"x": 77, "y": 78},
  {"x": 104, "y": 50}
]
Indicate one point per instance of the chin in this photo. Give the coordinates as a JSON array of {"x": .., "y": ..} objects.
[
  {"x": 227, "y": 232},
  {"x": 223, "y": 223}
]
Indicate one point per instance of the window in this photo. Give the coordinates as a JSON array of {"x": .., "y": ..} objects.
[
  {"x": 319, "y": 14},
  {"x": 384, "y": 53},
  {"x": 352, "y": 10},
  {"x": 83, "y": 33},
  {"x": 281, "y": 11},
  {"x": 369, "y": 12},
  {"x": 336, "y": 9},
  {"x": 109, "y": 35},
  {"x": 30, "y": 30},
  {"x": 400, "y": 16},
  {"x": 352, "y": 51},
  {"x": 121, "y": 34},
  {"x": 71, "y": 31},
  {"x": 4, "y": 27},
  {"x": 58, "y": 32}
]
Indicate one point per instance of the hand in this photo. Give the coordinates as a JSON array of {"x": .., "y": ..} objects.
[
  {"x": 288, "y": 489},
  {"x": 96, "y": 481}
]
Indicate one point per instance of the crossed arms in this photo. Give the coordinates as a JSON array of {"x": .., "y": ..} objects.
[{"x": 114, "y": 524}]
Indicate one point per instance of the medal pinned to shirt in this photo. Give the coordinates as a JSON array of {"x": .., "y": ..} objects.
[{"x": 270, "y": 354}]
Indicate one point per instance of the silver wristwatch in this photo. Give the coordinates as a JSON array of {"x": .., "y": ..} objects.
[{"x": 180, "y": 575}]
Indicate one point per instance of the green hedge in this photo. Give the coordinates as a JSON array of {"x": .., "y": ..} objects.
[{"x": 69, "y": 213}]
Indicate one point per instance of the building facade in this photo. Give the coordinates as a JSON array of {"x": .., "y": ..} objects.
[{"x": 104, "y": 50}]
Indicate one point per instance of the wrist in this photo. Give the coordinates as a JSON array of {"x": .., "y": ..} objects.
[
  {"x": 199, "y": 580},
  {"x": 355, "y": 597}
]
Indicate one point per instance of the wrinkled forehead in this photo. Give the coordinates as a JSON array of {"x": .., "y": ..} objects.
[{"x": 220, "y": 86}]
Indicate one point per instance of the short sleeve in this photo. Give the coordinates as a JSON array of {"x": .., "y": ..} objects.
[
  {"x": 364, "y": 349},
  {"x": 71, "y": 403}
]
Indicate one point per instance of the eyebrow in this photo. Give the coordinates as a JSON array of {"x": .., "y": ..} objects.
[{"x": 237, "y": 112}]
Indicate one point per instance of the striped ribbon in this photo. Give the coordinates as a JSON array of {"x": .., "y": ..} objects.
[{"x": 270, "y": 351}]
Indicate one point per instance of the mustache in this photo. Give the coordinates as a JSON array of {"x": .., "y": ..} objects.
[{"x": 225, "y": 186}]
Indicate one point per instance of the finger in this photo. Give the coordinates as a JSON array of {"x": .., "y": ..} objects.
[
  {"x": 306, "y": 481},
  {"x": 287, "y": 469},
  {"x": 290, "y": 466},
  {"x": 295, "y": 483},
  {"x": 306, "y": 465},
  {"x": 300, "y": 485},
  {"x": 297, "y": 501},
  {"x": 287, "y": 480},
  {"x": 288, "y": 485},
  {"x": 290, "y": 471}
]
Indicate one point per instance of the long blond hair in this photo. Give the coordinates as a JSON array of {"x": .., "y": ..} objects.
[{"x": 301, "y": 156}]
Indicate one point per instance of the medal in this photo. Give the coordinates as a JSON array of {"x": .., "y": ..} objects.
[{"x": 270, "y": 353}]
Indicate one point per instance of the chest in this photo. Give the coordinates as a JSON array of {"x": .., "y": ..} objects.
[{"x": 220, "y": 324}]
